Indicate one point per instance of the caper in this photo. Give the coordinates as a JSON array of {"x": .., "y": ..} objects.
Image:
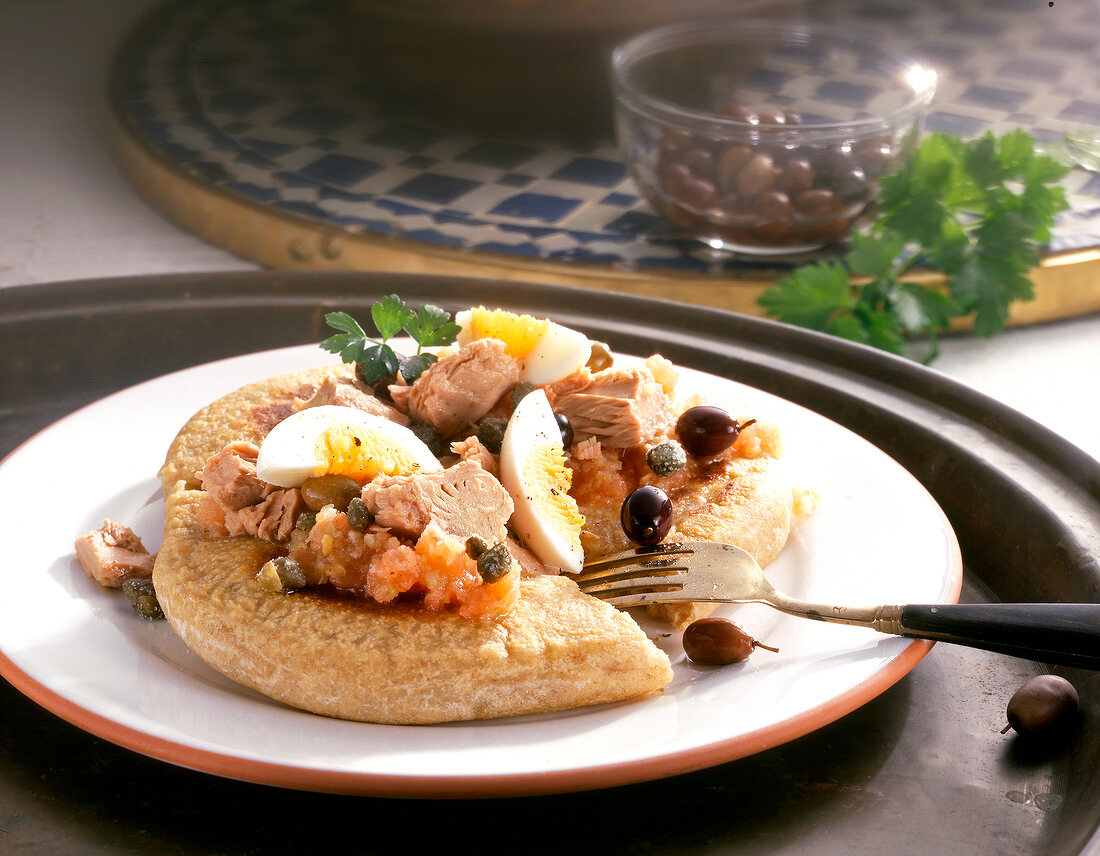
[
  {"x": 143, "y": 598},
  {"x": 338, "y": 491},
  {"x": 475, "y": 546},
  {"x": 429, "y": 437},
  {"x": 281, "y": 574},
  {"x": 490, "y": 431},
  {"x": 305, "y": 521},
  {"x": 666, "y": 458},
  {"x": 358, "y": 515},
  {"x": 494, "y": 563},
  {"x": 519, "y": 392}
]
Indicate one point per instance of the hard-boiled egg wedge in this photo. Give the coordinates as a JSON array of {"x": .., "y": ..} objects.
[
  {"x": 532, "y": 469},
  {"x": 333, "y": 440},
  {"x": 546, "y": 351}
]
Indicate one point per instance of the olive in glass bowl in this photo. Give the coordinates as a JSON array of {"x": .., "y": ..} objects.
[{"x": 764, "y": 137}]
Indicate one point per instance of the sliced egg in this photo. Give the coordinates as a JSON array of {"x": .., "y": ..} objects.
[
  {"x": 546, "y": 351},
  {"x": 533, "y": 471},
  {"x": 334, "y": 440}
]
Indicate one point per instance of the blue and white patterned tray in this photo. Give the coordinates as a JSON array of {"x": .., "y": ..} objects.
[{"x": 255, "y": 99}]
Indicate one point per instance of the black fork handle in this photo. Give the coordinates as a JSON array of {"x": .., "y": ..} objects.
[{"x": 1065, "y": 634}]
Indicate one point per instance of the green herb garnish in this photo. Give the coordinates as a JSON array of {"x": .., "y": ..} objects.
[
  {"x": 374, "y": 359},
  {"x": 974, "y": 211}
]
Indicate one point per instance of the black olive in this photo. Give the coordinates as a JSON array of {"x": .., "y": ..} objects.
[
  {"x": 566, "y": 429},
  {"x": 646, "y": 515},
  {"x": 719, "y": 642},
  {"x": 706, "y": 431},
  {"x": 1044, "y": 706}
]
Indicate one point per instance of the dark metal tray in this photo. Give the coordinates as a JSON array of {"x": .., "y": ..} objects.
[{"x": 923, "y": 768}]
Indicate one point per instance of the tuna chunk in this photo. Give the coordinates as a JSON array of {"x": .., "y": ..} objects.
[
  {"x": 621, "y": 408},
  {"x": 113, "y": 554},
  {"x": 462, "y": 387},
  {"x": 464, "y": 500},
  {"x": 230, "y": 476},
  {"x": 344, "y": 392},
  {"x": 472, "y": 449},
  {"x": 238, "y": 502}
]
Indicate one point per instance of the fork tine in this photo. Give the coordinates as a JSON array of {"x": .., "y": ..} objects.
[
  {"x": 636, "y": 596},
  {"x": 628, "y": 578},
  {"x": 646, "y": 560},
  {"x": 666, "y": 579}
]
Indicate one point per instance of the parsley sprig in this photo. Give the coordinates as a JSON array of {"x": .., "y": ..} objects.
[
  {"x": 375, "y": 359},
  {"x": 977, "y": 212}
]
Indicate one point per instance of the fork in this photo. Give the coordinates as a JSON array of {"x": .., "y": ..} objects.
[{"x": 1065, "y": 634}]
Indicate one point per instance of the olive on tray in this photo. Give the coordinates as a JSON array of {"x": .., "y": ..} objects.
[{"x": 1045, "y": 706}]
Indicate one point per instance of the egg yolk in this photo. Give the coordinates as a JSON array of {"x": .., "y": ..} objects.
[
  {"x": 520, "y": 333},
  {"x": 361, "y": 455},
  {"x": 546, "y": 480}
]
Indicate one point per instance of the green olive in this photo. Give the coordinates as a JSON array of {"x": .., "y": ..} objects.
[
  {"x": 600, "y": 357},
  {"x": 330, "y": 490},
  {"x": 282, "y": 574}
]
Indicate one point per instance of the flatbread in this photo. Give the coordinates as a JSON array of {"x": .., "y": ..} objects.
[
  {"x": 556, "y": 650},
  {"x": 750, "y": 505},
  {"x": 745, "y": 501},
  {"x": 246, "y": 414}
]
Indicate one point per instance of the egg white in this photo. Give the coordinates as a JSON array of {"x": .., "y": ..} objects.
[
  {"x": 560, "y": 352},
  {"x": 532, "y": 425},
  {"x": 288, "y": 454}
]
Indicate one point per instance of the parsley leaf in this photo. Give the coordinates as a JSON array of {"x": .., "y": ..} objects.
[
  {"x": 376, "y": 363},
  {"x": 875, "y": 255},
  {"x": 975, "y": 212},
  {"x": 374, "y": 359},
  {"x": 811, "y": 296},
  {"x": 390, "y": 316},
  {"x": 351, "y": 343},
  {"x": 430, "y": 326}
]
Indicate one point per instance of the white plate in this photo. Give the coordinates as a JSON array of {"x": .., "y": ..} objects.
[{"x": 81, "y": 652}]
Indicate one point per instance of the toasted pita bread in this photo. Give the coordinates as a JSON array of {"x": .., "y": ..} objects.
[
  {"x": 557, "y": 649},
  {"x": 744, "y": 501},
  {"x": 246, "y": 414}
]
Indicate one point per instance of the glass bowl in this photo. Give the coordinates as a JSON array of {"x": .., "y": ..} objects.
[{"x": 764, "y": 137}]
